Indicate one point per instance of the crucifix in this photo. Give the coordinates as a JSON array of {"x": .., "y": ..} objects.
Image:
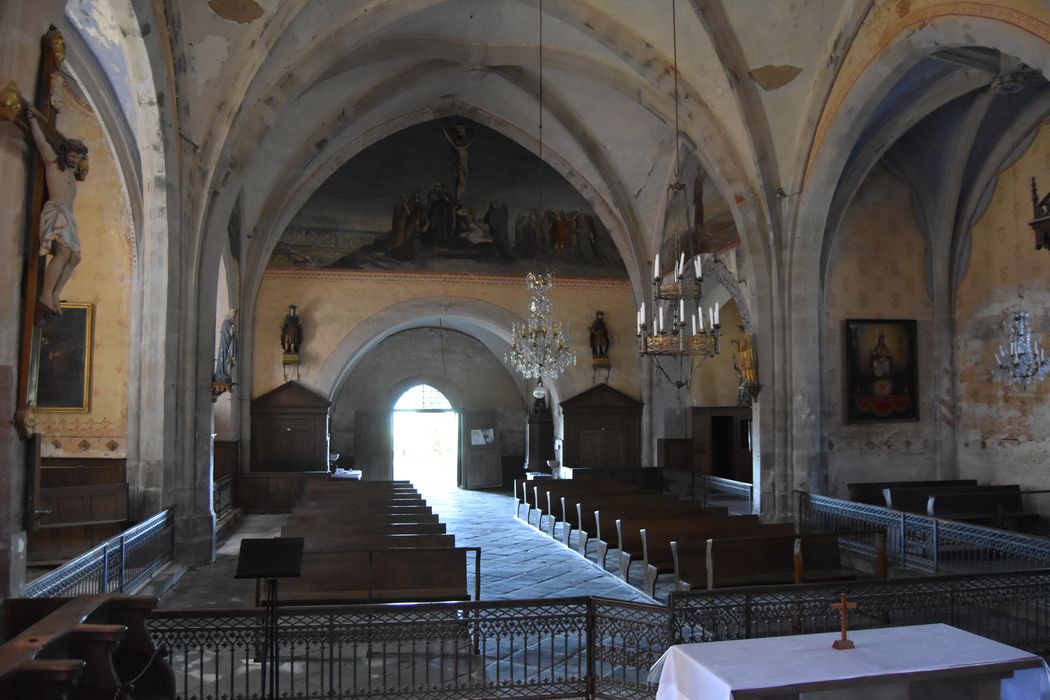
[{"x": 843, "y": 606}]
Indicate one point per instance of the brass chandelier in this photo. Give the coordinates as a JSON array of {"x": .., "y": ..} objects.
[{"x": 676, "y": 326}]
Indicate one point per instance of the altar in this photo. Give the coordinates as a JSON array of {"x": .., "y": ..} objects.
[{"x": 931, "y": 662}]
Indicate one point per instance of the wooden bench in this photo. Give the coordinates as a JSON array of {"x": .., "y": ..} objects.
[
  {"x": 84, "y": 647},
  {"x": 658, "y": 557},
  {"x": 872, "y": 491},
  {"x": 395, "y": 575},
  {"x": 547, "y": 497},
  {"x": 990, "y": 507},
  {"x": 307, "y": 527},
  {"x": 629, "y": 532},
  {"x": 368, "y": 523},
  {"x": 352, "y": 511},
  {"x": 587, "y": 514},
  {"x": 917, "y": 499},
  {"x": 733, "y": 562},
  {"x": 349, "y": 541}
]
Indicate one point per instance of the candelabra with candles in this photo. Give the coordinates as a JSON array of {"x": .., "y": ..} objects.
[
  {"x": 668, "y": 331},
  {"x": 1024, "y": 362}
]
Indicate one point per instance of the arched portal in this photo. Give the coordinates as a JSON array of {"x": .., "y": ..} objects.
[{"x": 426, "y": 438}]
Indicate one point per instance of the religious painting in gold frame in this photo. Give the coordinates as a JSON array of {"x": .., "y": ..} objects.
[
  {"x": 882, "y": 370},
  {"x": 64, "y": 363}
]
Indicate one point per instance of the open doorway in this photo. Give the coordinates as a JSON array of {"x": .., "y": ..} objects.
[{"x": 426, "y": 438}]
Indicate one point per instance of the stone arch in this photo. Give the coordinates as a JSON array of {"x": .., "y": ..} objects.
[{"x": 932, "y": 30}]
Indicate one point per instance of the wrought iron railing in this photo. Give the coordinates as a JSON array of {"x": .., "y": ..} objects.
[
  {"x": 924, "y": 543},
  {"x": 737, "y": 496},
  {"x": 222, "y": 496},
  {"x": 567, "y": 647},
  {"x": 118, "y": 565},
  {"x": 1012, "y": 608},
  {"x": 563, "y": 647}
]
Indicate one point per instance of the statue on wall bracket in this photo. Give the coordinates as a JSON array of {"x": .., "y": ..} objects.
[
  {"x": 226, "y": 357},
  {"x": 291, "y": 340},
  {"x": 600, "y": 341}
]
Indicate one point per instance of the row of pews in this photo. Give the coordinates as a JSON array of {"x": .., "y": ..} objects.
[
  {"x": 373, "y": 542},
  {"x": 701, "y": 547},
  {"x": 952, "y": 499},
  {"x": 88, "y": 647}
]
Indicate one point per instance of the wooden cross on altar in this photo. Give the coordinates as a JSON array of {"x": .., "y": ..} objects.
[{"x": 843, "y": 606}]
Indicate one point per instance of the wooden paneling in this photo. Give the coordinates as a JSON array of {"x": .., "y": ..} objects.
[
  {"x": 603, "y": 429},
  {"x": 227, "y": 458},
  {"x": 290, "y": 430},
  {"x": 88, "y": 503}
]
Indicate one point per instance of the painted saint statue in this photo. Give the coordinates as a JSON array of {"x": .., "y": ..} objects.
[{"x": 58, "y": 228}]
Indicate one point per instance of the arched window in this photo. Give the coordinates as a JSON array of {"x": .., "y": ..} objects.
[{"x": 422, "y": 397}]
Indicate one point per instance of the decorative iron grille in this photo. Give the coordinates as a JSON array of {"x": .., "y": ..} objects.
[
  {"x": 736, "y": 496},
  {"x": 560, "y": 648},
  {"x": 925, "y": 543},
  {"x": 1010, "y": 608},
  {"x": 118, "y": 565}
]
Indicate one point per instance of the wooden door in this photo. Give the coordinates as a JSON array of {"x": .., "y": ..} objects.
[
  {"x": 482, "y": 467},
  {"x": 373, "y": 448}
]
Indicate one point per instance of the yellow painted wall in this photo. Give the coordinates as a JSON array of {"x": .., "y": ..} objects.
[
  {"x": 1001, "y": 431},
  {"x": 103, "y": 279},
  {"x": 333, "y": 302},
  {"x": 714, "y": 380},
  {"x": 877, "y": 271}
]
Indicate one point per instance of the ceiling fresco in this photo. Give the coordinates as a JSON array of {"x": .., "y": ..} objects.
[{"x": 449, "y": 195}]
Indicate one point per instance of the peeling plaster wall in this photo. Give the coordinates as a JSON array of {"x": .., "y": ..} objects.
[
  {"x": 1002, "y": 431},
  {"x": 442, "y": 358},
  {"x": 876, "y": 271},
  {"x": 103, "y": 279}
]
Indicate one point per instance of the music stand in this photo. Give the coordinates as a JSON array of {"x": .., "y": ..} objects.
[{"x": 270, "y": 558}]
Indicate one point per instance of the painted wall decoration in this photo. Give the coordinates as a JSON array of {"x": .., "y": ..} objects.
[
  {"x": 881, "y": 371},
  {"x": 449, "y": 195},
  {"x": 64, "y": 375}
]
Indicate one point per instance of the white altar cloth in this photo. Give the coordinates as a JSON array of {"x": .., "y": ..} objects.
[{"x": 807, "y": 664}]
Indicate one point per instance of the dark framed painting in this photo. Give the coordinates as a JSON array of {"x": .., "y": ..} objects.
[
  {"x": 881, "y": 371},
  {"x": 64, "y": 362}
]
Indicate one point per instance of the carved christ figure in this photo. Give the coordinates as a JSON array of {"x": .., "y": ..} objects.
[
  {"x": 58, "y": 228},
  {"x": 460, "y": 140}
]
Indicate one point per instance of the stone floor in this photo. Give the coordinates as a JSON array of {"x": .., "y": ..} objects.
[{"x": 517, "y": 560}]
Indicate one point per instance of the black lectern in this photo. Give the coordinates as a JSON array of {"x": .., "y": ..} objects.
[{"x": 270, "y": 559}]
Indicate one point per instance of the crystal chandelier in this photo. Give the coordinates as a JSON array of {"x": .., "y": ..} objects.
[
  {"x": 1021, "y": 360},
  {"x": 540, "y": 347},
  {"x": 677, "y": 324}
]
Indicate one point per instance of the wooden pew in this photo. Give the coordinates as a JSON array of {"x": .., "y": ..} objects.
[
  {"x": 394, "y": 575},
  {"x": 587, "y": 514},
  {"x": 658, "y": 558},
  {"x": 872, "y": 491},
  {"x": 629, "y": 532},
  {"x": 733, "y": 562},
  {"x": 329, "y": 541},
  {"x": 352, "y": 511},
  {"x": 311, "y": 526},
  {"x": 85, "y": 647},
  {"x": 990, "y": 507},
  {"x": 917, "y": 499},
  {"x": 547, "y": 496}
]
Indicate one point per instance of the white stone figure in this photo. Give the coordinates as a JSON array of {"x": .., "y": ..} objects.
[{"x": 58, "y": 227}]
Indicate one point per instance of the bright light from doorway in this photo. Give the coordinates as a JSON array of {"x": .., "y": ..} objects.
[{"x": 426, "y": 438}]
